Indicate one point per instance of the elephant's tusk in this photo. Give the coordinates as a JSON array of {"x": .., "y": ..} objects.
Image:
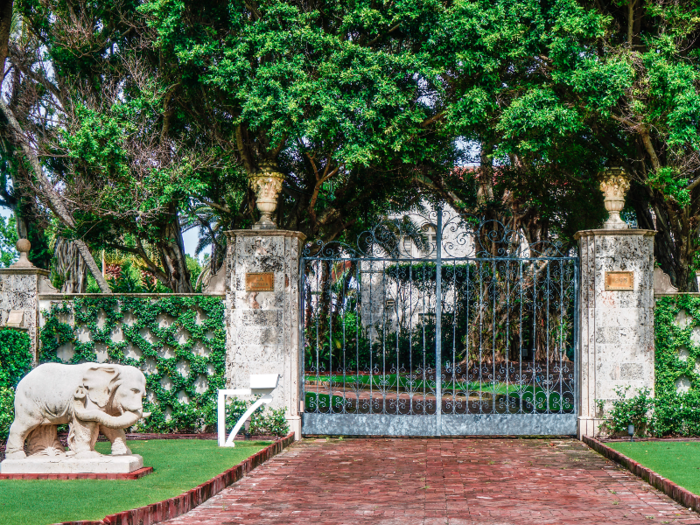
[{"x": 145, "y": 415}]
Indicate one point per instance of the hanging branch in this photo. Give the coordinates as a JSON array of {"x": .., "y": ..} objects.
[{"x": 54, "y": 200}]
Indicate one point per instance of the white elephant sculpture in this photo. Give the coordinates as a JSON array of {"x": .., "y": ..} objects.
[{"x": 90, "y": 397}]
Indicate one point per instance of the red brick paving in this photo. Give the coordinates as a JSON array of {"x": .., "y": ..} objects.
[{"x": 439, "y": 481}]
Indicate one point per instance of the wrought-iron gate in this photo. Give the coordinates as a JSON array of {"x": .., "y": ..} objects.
[{"x": 430, "y": 326}]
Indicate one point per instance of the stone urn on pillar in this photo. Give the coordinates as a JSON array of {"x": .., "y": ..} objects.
[
  {"x": 267, "y": 184},
  {"x": 614, "y": 185}
]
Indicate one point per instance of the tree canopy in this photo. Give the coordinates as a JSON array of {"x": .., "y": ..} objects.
[{"x": 150, "y": 117}]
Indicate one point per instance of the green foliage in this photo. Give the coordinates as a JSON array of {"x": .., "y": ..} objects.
[
  {"x": 626, "y": 411},
  {"x": 132, "y": 279},
  {"x": 271, "y": 422},
  {"x": 195, "y": 270},
  {"x": 668, "y": 182},
  {"x": 359, "y": 104},
  {"x": 8, "y": 239},
  {"x": 128, "y": 281},
  {"x": 349, "y": 343},
  {"x": 15, "y": 356},
  {"x": 677, "y": 414},
  {"x": 179, "y": 343},
  {"x": 7, "y": 410},
  {"x": 424, "y": 274},
  {"x": 99, "y": 141},
  {"x": 676, "y": 320}
]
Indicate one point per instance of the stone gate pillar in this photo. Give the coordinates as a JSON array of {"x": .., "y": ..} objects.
[
  {"x": 617, "y": 309},
  {"x": 262, "y": 313},
  {"x": 20, "y": 286}
]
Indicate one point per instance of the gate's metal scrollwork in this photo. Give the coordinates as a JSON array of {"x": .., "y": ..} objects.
[{"x": 428, "y": 326}]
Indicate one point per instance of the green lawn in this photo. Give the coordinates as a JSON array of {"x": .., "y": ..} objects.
[
  {"x": 180, "y": 464},
  {"x": 676, "y": 460}
]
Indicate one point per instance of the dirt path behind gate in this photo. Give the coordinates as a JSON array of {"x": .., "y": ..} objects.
[{"x": 439, "y": 481}]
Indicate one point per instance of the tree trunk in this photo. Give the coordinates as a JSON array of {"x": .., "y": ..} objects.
[
  {"x": 54, "y": 200},
  {"x": 5, "y": 28},
  {"x": 674, "y": 245},
  {"x": 70, "y": 266},
  {"x": 172, "y": 256}
]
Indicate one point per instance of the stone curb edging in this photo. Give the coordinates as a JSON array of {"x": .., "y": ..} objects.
[
  {"x": 173, "y": 507},
  {"x": 668, "y": 487}
]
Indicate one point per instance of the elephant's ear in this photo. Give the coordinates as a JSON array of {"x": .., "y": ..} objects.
[{"x": 99, "y": 381}]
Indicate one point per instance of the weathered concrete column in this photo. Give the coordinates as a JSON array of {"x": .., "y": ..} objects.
[
  {"x": 262, "y": 313},
  {"x": 20, "y": 286},
  {"x": 616, "y": 315}
]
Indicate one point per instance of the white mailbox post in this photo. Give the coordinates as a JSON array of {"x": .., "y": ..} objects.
[{"x": 260, "y": 384}]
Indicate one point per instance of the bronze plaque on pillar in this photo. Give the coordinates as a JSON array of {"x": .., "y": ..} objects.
[
  {"x": 260, "y": 282},
  {"x": 619, "y": 281}
]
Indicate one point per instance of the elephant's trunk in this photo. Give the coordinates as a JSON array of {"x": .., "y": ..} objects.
[{"x": 127, "y": 419}]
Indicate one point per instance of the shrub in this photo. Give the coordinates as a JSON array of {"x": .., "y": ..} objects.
[
  {"x": 262, "y": 422},
  {"x": 669, "y": 414},
  {"x": 15, "y": 356},
  {"x": 271, "y": 422},
  {"x": 626, "y": 411},
  {"x": 677, "y": 414},
  {"x": 7, "y": 410}
]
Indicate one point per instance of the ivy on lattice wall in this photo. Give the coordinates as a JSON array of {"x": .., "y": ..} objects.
[
  {"x": 677, "y": 334},
  {"x": 178, "y": 342}
]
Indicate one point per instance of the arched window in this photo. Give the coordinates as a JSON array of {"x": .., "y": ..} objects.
[
  {"x": 430, "y": 233},
  {"x": 407, "y": 246}
]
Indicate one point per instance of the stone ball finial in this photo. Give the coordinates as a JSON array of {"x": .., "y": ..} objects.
[{"x": 23, "y": 246}]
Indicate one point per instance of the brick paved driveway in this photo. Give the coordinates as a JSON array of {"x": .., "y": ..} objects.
[{"x": 439, "y": 481}]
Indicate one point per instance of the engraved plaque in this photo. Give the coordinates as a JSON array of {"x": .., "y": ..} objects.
[
  {"x": 260, "y": 282},
  {"x": 619, "y": 281}
]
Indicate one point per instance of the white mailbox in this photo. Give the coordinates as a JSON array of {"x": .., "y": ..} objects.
[
  {"x": 260, "y": 384},
  {"x": 263, "y": 383}
]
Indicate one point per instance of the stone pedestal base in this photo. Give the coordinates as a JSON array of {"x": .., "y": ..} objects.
[
  {"x": 589, "y": 426},
  {"x": 294, "y": 423},
  {"x": 69, "y": 465}
]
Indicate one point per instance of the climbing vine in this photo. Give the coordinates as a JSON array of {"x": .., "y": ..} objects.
[
  {"x": 178, "y": 342},
  {"x": 677, "y": 338}
]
